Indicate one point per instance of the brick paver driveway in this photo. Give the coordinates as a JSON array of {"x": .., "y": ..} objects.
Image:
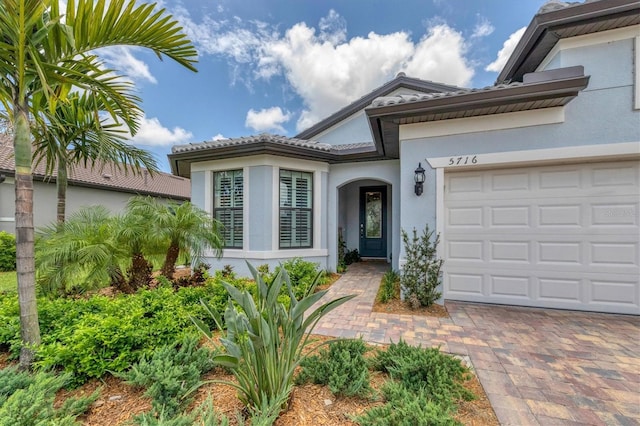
[{"x": 537, "y": 366}]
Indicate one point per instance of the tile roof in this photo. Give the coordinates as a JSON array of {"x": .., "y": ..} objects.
[
  {"x": 107, "y": 177},
  {"x": 417, "y": 97},
  {"x": 249, "y": 140}
]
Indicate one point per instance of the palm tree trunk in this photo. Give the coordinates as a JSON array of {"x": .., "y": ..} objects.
[
  {"x": 25, "y": 259},
  {"x": 62, "y": 182},
  {"x": 169, "y": 266}
]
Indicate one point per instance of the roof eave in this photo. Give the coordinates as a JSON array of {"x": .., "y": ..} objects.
[
  {"x": 542, "y": 27},
  {"x": 388, "y": 116}
]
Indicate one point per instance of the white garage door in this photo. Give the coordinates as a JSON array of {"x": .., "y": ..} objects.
[{"x": 561, "y": 236}]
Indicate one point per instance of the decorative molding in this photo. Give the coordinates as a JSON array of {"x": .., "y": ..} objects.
[
  {"x": 458, "y": 126},
  {"x": 589, "y": 40},
  {"x": 573, "y": 154},
  {"x": 273, "y": 254},
  {"x": 259, "y": 160}
]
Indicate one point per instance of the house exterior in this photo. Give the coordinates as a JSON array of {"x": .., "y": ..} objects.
[
  {"x": 106, "y": 186},
  {"x": 533, "y": 184}
]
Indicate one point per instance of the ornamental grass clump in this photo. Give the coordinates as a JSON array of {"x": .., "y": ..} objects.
[{"x": 264, "y": 341}]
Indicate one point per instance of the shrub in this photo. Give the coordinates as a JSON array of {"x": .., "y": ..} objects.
[
  {"x": 426, "y": 386},
  {"x": 351, "y": 256},
  {"x": 430, "y": 371},
  {"x": 420, "y": 276},
  {"x": 264, "y": 341},
  {"x": 204, "y": 415},
  {"x": 27, "y": 400},
  {"x": 88, "y": 337},
  {"x": 170, "y": 373},
  {"x": 343, "y": 368},
  {"x": 406, "y": 408},
  {"x": 302, "y": 274},
  {"x": 389, "y": 286},
  {"x": 7, "y": 252}
]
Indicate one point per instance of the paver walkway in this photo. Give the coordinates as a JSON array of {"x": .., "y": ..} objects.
[{"x": 537, "y": 366}]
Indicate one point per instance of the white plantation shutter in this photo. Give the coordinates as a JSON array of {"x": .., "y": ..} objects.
[
  {"x": 296, "y": 195},
  {"x": 228, "y": 205}
]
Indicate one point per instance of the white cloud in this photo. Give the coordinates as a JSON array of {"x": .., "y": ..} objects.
[
  {"x": 440, "y": 56},
  {"x": 322, "y": 66},
  {"x": 506, "y": 51},
  {"x": 153, "y": 133},
  {"x": 270, "y": 119},
  {"x": 218, "y": 137},
  {"x": 483, "y": 28},
  {"x": 121, "y": 59}
]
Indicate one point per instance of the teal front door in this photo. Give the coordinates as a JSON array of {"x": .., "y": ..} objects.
[{"x": 373, "y": 221}]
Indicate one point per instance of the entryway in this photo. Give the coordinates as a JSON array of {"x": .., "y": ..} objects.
[{"x": 373, "y": 221}]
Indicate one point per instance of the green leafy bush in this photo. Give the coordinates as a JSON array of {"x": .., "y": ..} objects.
[
  {"x": 389, "y": 287},
  {"x": 203, "y": 415},
  {"x": 88, "y": 337},
  {"x": 27, "y": 400},
  {"x": 302, "y": 274},
  {"x": 351, "y": 256},
  {"x": 405, "y": 407},
  {"x": 430, "y": 371},
  {"x": 7, "y": 252},
  {"x": 343, "y": 368},
  {"x": 264, "y": 341},
  {"x": 425, "y": 387},
  {"x": 421, "y": 273},
  {"x": 170, "y": 373}
]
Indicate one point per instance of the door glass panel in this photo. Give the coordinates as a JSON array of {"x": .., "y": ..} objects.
[{"x": 373, "y": 219}]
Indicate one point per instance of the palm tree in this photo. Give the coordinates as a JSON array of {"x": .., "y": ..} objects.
[
  {"x": 43, "y": 56},
  {"x": 185, "y": 228},
  {"x": 86, "y": 246},
  {"x": 77, "y": 133}
]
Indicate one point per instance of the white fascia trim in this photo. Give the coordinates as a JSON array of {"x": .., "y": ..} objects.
[
  {"x": 440, "y": 211},
  {"x": 7, "y": 219},
  {"x": 589, "y": 40},
  {"x": 485, "y": 123},
  {"x": 625, "y": 150},
  {"x": 259, "y": 160},
  {"x": 636, "y": 72},
  {"x": 274, "y": 254}
]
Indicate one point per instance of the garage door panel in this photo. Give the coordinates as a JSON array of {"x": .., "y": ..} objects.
[
  {"x": 615, "y": 214},
  {"x": 555, "y": 236}
]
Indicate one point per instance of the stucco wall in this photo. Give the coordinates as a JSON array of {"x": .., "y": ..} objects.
[
  {"x": 45, "y": 202},
  {"x": 343, "y": 206},
  {"x": 261, "y": 221},
  {"x": 601, "y": 114}
]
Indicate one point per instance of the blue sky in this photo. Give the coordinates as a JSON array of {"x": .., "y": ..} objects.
[{"x": 279, "y": 66}]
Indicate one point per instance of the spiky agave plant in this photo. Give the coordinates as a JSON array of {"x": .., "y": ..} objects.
[{"x": 264, "y": 341}]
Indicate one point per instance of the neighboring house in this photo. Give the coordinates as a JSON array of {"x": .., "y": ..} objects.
[
  {"x": 533, "y": 184},
  {"x": 107, "y": 186}
]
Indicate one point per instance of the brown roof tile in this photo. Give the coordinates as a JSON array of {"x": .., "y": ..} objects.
[{"x": 106, "y": 177}]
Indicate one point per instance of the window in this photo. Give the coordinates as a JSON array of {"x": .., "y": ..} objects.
[
  {"x": 296, "y": 204},
  {"x": 227, "y": 205}
]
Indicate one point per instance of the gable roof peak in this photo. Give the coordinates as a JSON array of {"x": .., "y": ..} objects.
[{"x": 400, "y": 81}]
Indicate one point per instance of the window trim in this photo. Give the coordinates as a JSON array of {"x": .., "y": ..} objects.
[
  {"x": 240, "y": 209},
  {"x": 310, "y": 209}
]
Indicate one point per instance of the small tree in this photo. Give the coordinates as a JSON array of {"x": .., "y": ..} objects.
[{"x": 421, "y": 273}]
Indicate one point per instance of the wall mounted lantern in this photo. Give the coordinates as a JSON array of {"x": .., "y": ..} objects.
[{"x": 419, "y": 178}]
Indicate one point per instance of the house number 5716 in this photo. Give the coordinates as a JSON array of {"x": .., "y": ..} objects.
[{"x": 463, "y": 160}]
